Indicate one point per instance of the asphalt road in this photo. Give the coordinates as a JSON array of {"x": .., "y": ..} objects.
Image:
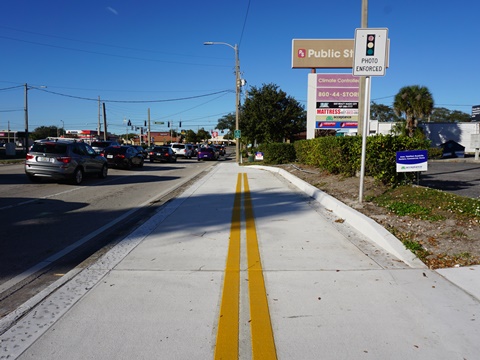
[
  {"x": 48, "y": 228},
  {"x": 457, "y": 176}
]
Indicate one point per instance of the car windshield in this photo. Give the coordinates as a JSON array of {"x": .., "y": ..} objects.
[{"x": 49, "y": 147}]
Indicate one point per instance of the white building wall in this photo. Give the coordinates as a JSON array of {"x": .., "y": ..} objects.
[
  {"x": 462, "y": 133},
  {"x": 438, "y": 133}
]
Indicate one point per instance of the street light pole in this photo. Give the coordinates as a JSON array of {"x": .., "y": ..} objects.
[{"x": 237, "y": 93}]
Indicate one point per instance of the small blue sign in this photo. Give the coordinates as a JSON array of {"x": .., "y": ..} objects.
[{"x": 413, "y": 160}]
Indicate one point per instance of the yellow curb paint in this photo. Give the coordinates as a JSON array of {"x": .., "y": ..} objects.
[
  {"x": 228, "y": 324},
  {"x": 263, "y": 344}
]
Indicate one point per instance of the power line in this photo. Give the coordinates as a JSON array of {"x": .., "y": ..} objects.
[
  {"x": 244, "y": 23},
  {"x": 135, "y": 101}
]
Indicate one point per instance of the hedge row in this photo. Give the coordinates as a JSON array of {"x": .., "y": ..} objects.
[{"x": 342, "y": 155}]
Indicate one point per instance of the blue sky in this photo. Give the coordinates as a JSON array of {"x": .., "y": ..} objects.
[{"x": 137, "y": 55}]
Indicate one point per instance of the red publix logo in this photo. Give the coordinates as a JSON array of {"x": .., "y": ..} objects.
[{"x": 301, "y": 53}]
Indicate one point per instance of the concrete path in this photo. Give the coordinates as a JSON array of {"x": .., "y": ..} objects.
[{"x": 299, "y": 278}]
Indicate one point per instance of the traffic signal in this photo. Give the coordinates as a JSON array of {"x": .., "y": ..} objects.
[
  {"x": 370, "y": 51},
  {"x": 169, "y": 124},
  {"x": 180, "y": 124}
]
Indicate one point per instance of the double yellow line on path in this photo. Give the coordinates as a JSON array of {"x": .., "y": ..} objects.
[{"x": 227, "y": 345}]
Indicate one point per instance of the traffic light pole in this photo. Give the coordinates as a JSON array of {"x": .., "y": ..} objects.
[{"x": 366, "y": 107}]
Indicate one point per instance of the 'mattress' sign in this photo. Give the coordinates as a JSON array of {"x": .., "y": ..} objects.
[{"x": 413, "y": 160}]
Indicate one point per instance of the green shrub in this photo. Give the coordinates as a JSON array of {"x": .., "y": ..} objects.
[
  {"x": 342, "y": 155},
  {"x": 278, "y": 153}
]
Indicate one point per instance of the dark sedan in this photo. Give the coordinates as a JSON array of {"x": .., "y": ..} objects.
[
  {"x": 123, "y": 157},
  {"x": 163, "y": 154},
  {"x": 142, "y": 150}
]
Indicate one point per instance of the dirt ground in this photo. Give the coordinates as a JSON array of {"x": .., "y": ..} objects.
[{"x": 448, "y": 243}]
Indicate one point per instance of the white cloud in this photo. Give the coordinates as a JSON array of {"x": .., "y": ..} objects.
[{"x": 112, "y": 10}]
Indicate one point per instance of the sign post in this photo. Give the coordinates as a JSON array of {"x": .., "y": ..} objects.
[{"x": 369, "y": 59}]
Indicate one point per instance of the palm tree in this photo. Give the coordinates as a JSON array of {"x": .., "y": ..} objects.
[{"x": 416, "y": 103}]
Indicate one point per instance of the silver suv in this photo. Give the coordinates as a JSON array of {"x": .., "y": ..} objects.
[
  {"x": 62, "y": 159},
  {"x": 179, "y": 149}
]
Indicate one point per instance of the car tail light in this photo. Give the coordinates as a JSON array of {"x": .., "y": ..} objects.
[
  {"x": 64, "y": 159},
  {"x": 30, "y": 157},
  {"x": 121, "y": 156}
]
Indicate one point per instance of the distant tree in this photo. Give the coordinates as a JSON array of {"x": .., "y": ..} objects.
[
  {"x": 383, "y": 113},
  {"x": 460, "y": 116},
  {"x": 227, "y": 122},
  {"x": 203, "y": 135},
  {"x": 43, "y": 132},
  {"x": 415, "y": 103},
  {"x": 191, "y": 136},
  {"x": 269, "y": 115},
  {"x": 442, "y": 114},
  {"x": 439, "y": 114}
]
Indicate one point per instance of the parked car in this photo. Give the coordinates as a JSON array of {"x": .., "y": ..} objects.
[
  {"x": 163, "y": 154},
  {"x": 99, "y": 146},
  {"x": 179, "y": 149},
  {"x": 195, "y": 150},
  {"x": 221, "y": 149},
  {"x": 207, "y": 153},
  {"x": 63, "y": 160},
  {"x": 142, "y": 151},
  {"x": 189, "y": 151},
  {"x": 123, "y": 156}
]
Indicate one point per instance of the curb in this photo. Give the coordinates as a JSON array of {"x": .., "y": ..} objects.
[{"x": 362, "y": 223}]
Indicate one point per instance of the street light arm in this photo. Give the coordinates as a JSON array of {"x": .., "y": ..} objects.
[{"x": 220, "y": 43}]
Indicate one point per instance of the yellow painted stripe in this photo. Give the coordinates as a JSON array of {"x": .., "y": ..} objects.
[
  {"x": 228, "y": 323},
  {"x": 263, "y": 344}
]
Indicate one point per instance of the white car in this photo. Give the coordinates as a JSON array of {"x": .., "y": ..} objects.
[{"x": 179, "y": 149}]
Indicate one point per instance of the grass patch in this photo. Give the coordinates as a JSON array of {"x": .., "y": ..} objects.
[{"x": 427, "y": 204}]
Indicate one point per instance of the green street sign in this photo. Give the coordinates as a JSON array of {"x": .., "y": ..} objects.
[
  {"x": 159, "y": 122},
  {"x": 237, "y": 134}
]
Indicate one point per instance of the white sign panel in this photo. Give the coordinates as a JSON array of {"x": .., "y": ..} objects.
[{"x": 370, "y": 52}]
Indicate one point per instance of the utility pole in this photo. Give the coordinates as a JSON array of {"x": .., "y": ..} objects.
[
  {"x": 148, "y": 129},
  {"x": 26, "y": 118},
  {"x": 104, "y": 122},
  {"x": 99, "y": 116}
]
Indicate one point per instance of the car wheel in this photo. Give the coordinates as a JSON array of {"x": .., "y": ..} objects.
[
  {"x": 141, "y": 164},
  {"x": 151, "y": 160},
  {"x": 128, "y": 165},
  {"x": 103, "y": 173},
  {"x": 77, "y": 176}
]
